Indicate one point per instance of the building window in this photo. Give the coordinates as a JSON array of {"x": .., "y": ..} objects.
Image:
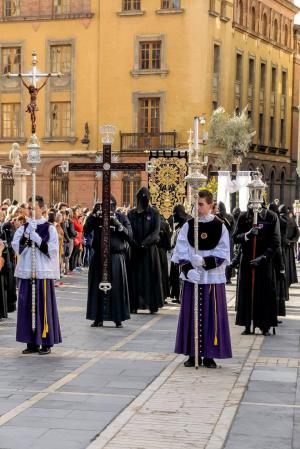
[
  {"x": 263, "y": 75},
  {"x": 251, "y": 74},
  {"x": 131, "y": 5},
  {"x": 273, "y": 80},
  {"x": 241, "y": 12},
  {"x": 261, "y": 129},
  {"x": 60, "y": 119},
  {"x": 282, "y": 187},
  {"x": 284, "y": 79},
  {"x": 286, "y": 35},
  {"x": 272, "y": 132},
  {"x": 11, "y": 8},
  {"x": 11, "y": 59},
  {"x": 223, "y": 8},
  {"x": 282, "y": 132},
  {"x": 253, "y": 19},
  {"x": 10, "y": 120},
  {"x": 265, "y": 25},
  {"x": 217, "y": 52},
  {"x": 62, "y": 7},
  {"x": 275, "y": 30},
  {"x": 149, "y": 115},
  {"x": 239, "y": 67},
  {"x": 150, "y": 55},
  {"x": 131, "y": 184},
  {"x": 170, "y": 4},
  {"x": 61, "y": 58},
  {"x": 59, "y": 183}
]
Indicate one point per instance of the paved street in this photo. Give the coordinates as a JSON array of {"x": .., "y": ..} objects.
[{"x": 124, "y": 388}]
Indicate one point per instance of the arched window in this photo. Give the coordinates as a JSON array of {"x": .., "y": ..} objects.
[
  {"x": 282, "y": 187},
  {"x": 241, "y": 12},
  {"x": 264, "y": 24},
  {"x": 59, "y": 184},
  {"x": 275, "y": 30},
  {"x": 286, "y": 35},
  {"x": 272, "y": 186},
  {"x": 253, "y": 19}
]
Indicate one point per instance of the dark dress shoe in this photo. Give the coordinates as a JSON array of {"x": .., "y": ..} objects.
[
  {"x": 45, "y": 350},
  {"x": 191, "y": 361},
  {"x": 209, "y": 363},
  {"x": 97, "y": 324},
  {"x": 175, "y": 301},
  {"x": 31, "y": 349},
  {"x": 119, "y": 324},
  {"x": 247, "y": 331}
]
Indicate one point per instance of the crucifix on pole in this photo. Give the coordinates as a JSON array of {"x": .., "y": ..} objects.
[
  {"x": 107, "y": 166},
  {"x": 32, "y": 88},
  {"x": 33, "y": 157}
]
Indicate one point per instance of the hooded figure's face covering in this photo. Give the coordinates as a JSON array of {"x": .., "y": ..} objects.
[{"x": 143, "y": 198}]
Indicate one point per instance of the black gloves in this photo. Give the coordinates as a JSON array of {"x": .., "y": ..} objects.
[
  {"x": 250, "y": 234},
  {"x": 258, "y": 261}
]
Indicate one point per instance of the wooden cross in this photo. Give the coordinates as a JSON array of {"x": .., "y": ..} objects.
[
  {"x": 107, "y": 166},
  {"x": 32, "y": 88}
]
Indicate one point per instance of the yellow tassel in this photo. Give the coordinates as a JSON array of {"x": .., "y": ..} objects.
[
  {"x": 46, "y": 327},
  {"x": 216, "y": 341}
]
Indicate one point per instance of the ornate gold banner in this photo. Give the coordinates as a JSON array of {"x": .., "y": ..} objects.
[{"x": 167, "y": 183}]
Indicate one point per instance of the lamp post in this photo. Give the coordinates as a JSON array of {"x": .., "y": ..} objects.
[{"x": 257, "y": 189}]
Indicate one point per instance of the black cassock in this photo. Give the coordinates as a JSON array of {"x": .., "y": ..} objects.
[
  {"x": 145, "y": 269},
  {"x": 9, "y": 281},
  {"x": 292, "y": 236},
  {"x": 264, "y": 297},
  {"x": 114, "y": 305}
]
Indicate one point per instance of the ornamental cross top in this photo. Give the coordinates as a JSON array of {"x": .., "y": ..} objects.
[{"x": 32, "y": 88}]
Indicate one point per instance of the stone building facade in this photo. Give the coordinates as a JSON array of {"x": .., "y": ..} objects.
[{"x": 148, "y": 67}]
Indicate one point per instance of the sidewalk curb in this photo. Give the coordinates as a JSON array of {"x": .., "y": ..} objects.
[{"x": 119, "y": 422}]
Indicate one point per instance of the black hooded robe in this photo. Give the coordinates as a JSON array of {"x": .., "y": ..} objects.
[
  {"x": 114, "y": 305},
  {"x": 264, "y": 297},
  {"x": 145, "y": 268},
  {"x": 292, "y": 236}
]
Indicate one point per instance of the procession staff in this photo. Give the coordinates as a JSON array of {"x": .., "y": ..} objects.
[
  {"x": 203, "y": 268},
  {"x": 43, "y": 236}
]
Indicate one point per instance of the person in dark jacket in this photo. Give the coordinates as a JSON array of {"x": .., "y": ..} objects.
[
  {"x": 164, "y": 245},
  {"x": 145, "y": 268},
  {"x": 114, "y": 305},
  {"x": 256, "y": 289},
  {"x": 292, "y": 237}
]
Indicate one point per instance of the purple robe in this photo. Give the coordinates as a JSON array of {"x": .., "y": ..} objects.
[
  {"x": 24, "y": 330},
  {"x": 24, "y": 333},
  {"x": 215, "y": 335}
]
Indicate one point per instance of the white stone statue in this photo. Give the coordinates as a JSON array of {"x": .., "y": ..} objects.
[{"x": 15, "y": 156}]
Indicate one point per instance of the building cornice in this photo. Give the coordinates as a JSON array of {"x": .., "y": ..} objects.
[{"x": 289, "y": 5}]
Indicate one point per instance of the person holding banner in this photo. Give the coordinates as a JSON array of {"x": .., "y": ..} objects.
[
  {"x": 205, "y": 267},
  {"x": 39, "y": 328}
]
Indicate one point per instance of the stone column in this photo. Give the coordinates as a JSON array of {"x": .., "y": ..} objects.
[{"x": 20, "y": 185}]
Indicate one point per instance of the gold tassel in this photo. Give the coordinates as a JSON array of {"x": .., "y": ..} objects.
[
  {"x": 46, "y": 327},
  {"x": 216, "y": 318}
]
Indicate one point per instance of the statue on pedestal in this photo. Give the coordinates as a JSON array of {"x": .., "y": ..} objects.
[{"x": 15, "y": 156}]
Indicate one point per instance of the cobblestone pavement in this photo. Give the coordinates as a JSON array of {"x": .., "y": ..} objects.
[{"x": 124, "y": 388}]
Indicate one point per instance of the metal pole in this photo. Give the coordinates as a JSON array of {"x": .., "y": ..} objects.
[
  {"x": 196, "y": 288},
  {"x": 33, "y": 255}
]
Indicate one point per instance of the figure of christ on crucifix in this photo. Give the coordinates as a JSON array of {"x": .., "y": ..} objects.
[
  {"x": 32, "y": 106},
  {"x": 32, "y": 88}
]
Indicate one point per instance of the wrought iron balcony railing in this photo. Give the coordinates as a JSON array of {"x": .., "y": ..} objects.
[
  {"x": 16, "y": 10},
  {"x": 148, "y": 141}
]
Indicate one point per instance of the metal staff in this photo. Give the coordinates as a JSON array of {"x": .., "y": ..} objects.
[
  {"x": 256, "y": 192},
  {"x": 196, "y": 179},
  {"x": 33, "y": 157}
]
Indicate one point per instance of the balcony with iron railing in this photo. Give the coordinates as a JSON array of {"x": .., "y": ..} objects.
[
  {"x": 22, "y": 10},
  {"x": 140, "y": 142}
]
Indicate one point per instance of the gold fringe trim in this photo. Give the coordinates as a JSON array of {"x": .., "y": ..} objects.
[{"x": 46, "y": 327}]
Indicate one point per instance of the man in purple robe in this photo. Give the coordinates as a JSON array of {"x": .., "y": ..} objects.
[
  {"x": 205, "y": 267},
  {"x": 47, "y": 329}
]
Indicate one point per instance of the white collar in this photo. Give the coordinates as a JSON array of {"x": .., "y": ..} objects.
[
  {"x": 206, "y": 218},
  {"x": 39, "y": 221}
]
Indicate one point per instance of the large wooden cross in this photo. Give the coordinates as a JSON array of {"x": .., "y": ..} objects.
[{"x": 107, "y": 166}]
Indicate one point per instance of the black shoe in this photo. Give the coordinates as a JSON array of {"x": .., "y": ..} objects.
[
  {"x": 119, "y": 324},
  {"x": 247, "y": 331},
  {"x": 209, "y": 363},
  {"x": 266, "y": 332},
  {"x": 97, "y": 324},
  {"x": 153, "y": 312},
  {"x": 31, "y": 349},
  {"x": 175, "y": 301},
  {"x": 45, "y": 350},
  {"x": 190, "y": 362}
]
